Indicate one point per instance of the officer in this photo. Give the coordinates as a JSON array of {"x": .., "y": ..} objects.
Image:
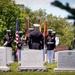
[
  {"x": 19, "y": 46},
  {"x": 20, "y": 35},
  {"x": 36, "y": 39},
  {"x": 8, "y": 39},
  {"x": 56, "y": 38},
  {"x": 21, "y": 38},
  {"x": 50, "y": 43},
  {"x": 31, "y": 29},
  {"x": 27, "y": 37}
]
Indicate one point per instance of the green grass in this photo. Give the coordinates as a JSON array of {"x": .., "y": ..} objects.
[{"x": 50, "y": 67}]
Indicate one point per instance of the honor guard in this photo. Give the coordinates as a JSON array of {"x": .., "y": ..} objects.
[
  {"x": 50, "y": 43},
  {"x": 27, "y": 37},
  {"x": 36, "y": 39},
  {"x": 8, "y": 39},
  {"x": 56, "y": 38}
]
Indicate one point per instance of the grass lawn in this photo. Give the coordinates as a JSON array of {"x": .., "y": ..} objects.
[{"x": 50, "y": 67}]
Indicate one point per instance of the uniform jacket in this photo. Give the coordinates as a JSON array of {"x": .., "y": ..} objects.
[
  {"x": 50, "y": 42},
  {"x": 19, "y": 45},
  {"x": 36, "y": 40},
  {"x": 8, "y": 40}
]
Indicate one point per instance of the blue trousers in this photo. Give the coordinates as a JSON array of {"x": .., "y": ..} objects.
[
  {"x": 19, "y": 55},
  {"x": 44, "y": 52},
  {"x": 50, "y": 56}
]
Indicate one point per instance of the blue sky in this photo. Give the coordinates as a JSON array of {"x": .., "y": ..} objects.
[{"x": 46, "y": 4}]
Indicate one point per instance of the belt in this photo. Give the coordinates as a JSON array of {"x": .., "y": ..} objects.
[{"x": 50, "y": 42}]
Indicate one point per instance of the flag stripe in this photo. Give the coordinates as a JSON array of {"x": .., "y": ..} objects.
[
  {"x": 17, "y": 37},
  {"x": 17, "y": 28}
]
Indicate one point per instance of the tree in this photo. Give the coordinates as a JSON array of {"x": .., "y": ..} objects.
[
  {"x": 65, "y": 7},
  {"x": 62, "y": 28},
  {"x": 9, "y": 11}
]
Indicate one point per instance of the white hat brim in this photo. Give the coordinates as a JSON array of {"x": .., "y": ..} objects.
[{"x": 36, "y": 25}]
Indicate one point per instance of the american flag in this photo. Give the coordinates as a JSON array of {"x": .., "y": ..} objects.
[
  {"x": 17, "y": 28},
  {"x": 17, "y": 38}
]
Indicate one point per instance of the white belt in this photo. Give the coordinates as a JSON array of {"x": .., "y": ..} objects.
[{"x": 50, "y": 42}]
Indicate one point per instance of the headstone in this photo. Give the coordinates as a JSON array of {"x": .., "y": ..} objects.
[
  {"x": 3, "y": 59},
  {"x": 56, "y": 56},
  {"x": 65, "y": 61},
  {"x": 9, "y": 55},
  {"x": 32, "y": 60}
]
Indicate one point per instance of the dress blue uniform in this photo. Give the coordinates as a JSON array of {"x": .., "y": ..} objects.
[
  {"x": 36, "y": 39},
  {"x": 8, "y": 39},
  {"x": 50, "y": 43}
]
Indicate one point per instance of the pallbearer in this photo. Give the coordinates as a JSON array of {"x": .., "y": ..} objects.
[
  {"x": 50, "y": 43},
  {"x": 36, "y": 39},
  {"x": 27, "y": 37},
  {"x": 8, "y": 39}
]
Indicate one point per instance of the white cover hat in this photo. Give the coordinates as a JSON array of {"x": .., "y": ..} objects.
[
  {"x": 53, "y": 32},
  {"x": 49, "y": 30},
  {"x": 20, "y": 32},
  {"x": 36, "y": 25},
  {"x": 8, "y": 30}
]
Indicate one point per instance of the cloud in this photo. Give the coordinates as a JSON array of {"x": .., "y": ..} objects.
[
  {"x": 33, "y": 2},
  {"x": 73, "y": 6},
  {"x": 19, "y": 1}
]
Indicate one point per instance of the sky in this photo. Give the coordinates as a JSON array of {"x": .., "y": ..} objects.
[{"x": 46, "y": 4}]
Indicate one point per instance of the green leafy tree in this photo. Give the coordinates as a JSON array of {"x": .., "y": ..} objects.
[
  {"x": 9, "y": 12},
  {"x": 62, "y": 27}
]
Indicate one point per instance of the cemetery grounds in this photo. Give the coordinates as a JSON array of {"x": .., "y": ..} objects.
[{"x": 50, "y": 67}]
